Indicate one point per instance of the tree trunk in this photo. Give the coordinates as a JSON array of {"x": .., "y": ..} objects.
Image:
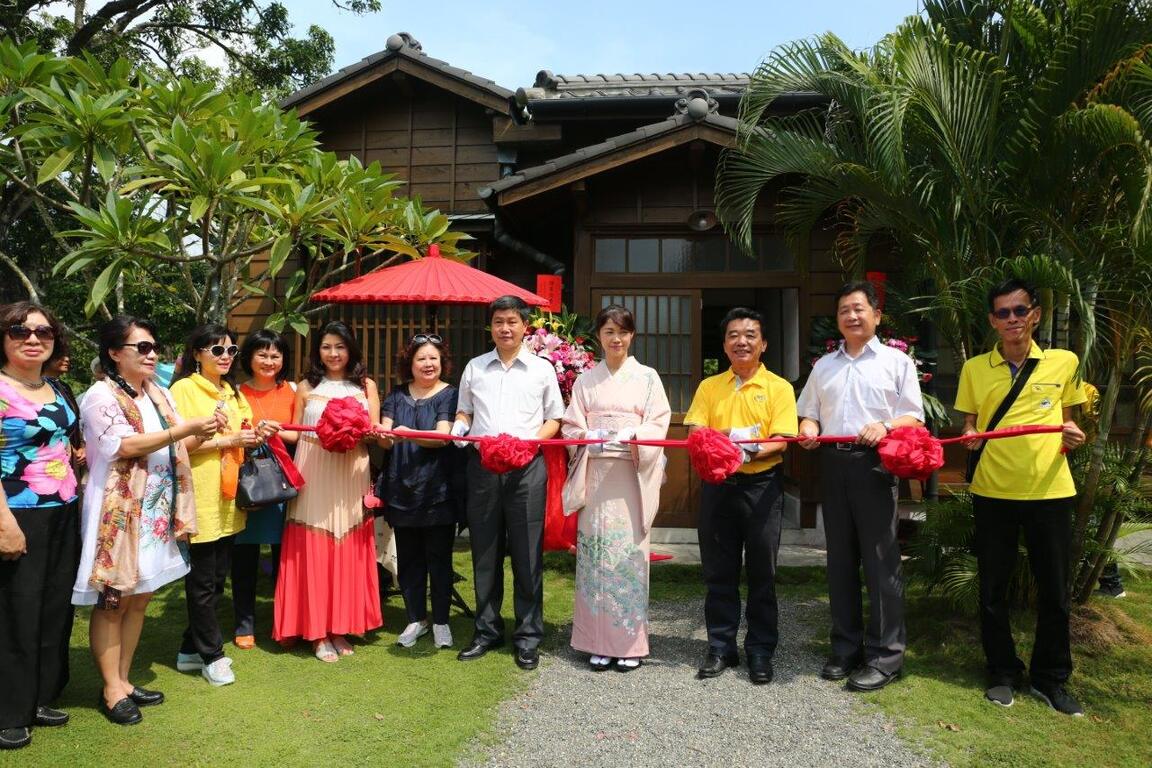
[{"x": 1095, "y": 467}]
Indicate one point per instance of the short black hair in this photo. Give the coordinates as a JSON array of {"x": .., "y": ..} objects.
[
  {"x": 510, "y": 302},
  {"x": 1011, "y": 286},
  {"x": 859, "y": 286},
  {"x": 16, "y": 314},
  {"x": 741, "y": 313},
  {"x": 404, "y": 359},
  {"x": 258, "y": 342}
]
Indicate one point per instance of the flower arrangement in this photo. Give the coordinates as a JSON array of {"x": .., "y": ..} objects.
[{"x": 564, "y": 341}]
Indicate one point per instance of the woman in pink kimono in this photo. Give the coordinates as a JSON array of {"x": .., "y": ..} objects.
[{"x": 615, "y": 487}]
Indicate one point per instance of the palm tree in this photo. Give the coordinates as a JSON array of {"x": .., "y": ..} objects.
[{"x": 977, "y": 140}]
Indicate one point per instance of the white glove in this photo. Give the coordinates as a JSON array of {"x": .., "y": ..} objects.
[
  {"x": 459, "y": 429},
  {"x": 746, "y": 433},
  {"x": 597, "y": 434},
  {"x": 616, "y": 443}
]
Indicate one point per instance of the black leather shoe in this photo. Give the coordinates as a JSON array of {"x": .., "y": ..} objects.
[
  {"x": 476, "y": 649},
  {"x": 124, "y": 712},
  {"x": 47, "y": 717},
  {"x": 15, "y": 738},
  {"x": 146, "y": 698},
  {"x": 759, "y": 669},
  {"x": 838, "y": 669},
  {"x": 527, "y": 658},
  {"x": 870, "y": 679},
  {"x": 715, "y": 662}
]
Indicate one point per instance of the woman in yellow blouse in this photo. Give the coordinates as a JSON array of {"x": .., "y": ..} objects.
[{"x": 204, "y": 388}]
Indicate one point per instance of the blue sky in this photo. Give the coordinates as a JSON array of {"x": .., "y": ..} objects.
[{"x": 510, "y": 40}]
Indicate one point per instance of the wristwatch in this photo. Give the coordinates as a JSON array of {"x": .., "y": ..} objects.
[{"x": 887, "y": 426}]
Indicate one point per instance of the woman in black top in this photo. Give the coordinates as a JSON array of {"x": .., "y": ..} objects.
[{"x": 421, "y": 500}]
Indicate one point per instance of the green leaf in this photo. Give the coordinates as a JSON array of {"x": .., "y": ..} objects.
[
  {"x": 101, "y": 287},
  {"x": 55, "y": 163},
  {"x": 198, "y": 208},
  {"x": 279, "y": 255},
  {"x": 299, "y": 324}
]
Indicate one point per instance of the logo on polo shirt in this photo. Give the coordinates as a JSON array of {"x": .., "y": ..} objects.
[{"x": 760, "y": 398}]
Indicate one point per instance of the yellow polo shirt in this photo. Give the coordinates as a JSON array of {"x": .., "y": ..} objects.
[
  {"x": 196, "y": 397},
  {"x": 765, "y": 399},
  {"x": 1028, "y": 467}
]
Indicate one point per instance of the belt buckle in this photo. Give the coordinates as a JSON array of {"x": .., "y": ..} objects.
[{"x": 845, "y": 446}]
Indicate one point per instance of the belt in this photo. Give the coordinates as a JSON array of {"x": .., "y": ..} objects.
[
  {"x": 751, "y": 478},
  {"x": 848, "y": 447}
]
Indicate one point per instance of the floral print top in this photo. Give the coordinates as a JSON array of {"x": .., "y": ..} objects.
[{"x": 35, "y": 453}]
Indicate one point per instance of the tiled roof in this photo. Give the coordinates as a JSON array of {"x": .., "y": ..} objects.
[
  {"x": 622, "y": 141},
  {"x": 400, "y": 44},
  {"x": 550, "y": 86}
]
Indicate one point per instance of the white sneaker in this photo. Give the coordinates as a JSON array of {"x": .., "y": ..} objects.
[
  {"x": 411, "y": 633},
  {"x": 189, "y": 662},
  {"x": 442, "y": 635},
  {"x": 219, "y": 672}
]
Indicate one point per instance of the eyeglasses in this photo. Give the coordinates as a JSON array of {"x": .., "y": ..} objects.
[
  {"x": 145, "y": 348},
  {"x": 23, "y": 332},
  {"x": 427, "y": 338},
  {"x": 1019, "y": 310},
  {"x": 219, "y": 350}
]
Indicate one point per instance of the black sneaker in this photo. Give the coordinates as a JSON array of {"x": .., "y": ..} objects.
[
  {"x": 1000, "y": 694},
  {"x": 15, "y": 738},
  {"x": 1057, "y": 697},
  {"x": 1113, "y": 590}
]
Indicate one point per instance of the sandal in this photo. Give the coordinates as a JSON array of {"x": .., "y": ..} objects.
[
  {"x": 627, "y": 665},
  {"x": 325, "y": 652},
  {"x": 341, "y": 644},
  {"x": 600, "y": 663},
  {"x": 245, "y": 642}
]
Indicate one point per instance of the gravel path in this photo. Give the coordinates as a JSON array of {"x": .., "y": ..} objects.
[{"x": 661, "y": 715}]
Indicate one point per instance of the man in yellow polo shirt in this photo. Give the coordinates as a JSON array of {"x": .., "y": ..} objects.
[
  {"x": 740, "y": 518},
  {"x": 1023, "y": 483}
]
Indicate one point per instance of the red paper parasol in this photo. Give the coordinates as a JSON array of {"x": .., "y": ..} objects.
[{"x": 430, "y": 280}]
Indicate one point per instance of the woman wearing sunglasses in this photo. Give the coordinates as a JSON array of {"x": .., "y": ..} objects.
[
  {"x": 204, "y": 388},
  {"x": 272, "y": 395},
  {"x": 138, "y": 503},
  {"x": 39, "y": 526},
  {"x": 327, "y": 586},
  {"x": 422, "y": 504}
]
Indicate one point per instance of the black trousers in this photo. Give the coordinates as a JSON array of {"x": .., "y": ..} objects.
[
  {"x": 203, "y": 587},
  {"x": 1047, "y": 527},
  {"x": 423, "y": 555},
  {"x": 245, "y": 572},
  {"x": 860, "y": 520},
  {"x": 506, "y": 516},
  {"x": 739, "y": 525},
  {"x": 36, "y": 612}
]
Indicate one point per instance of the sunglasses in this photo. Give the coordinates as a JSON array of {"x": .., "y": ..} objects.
[
  {"x": 219, "y": 350},
  {"x": 427, "y": 338},
  {"x": 145, "y": 348},
  {"x": 1019, "y": 310},
  {"x": 23, "y": 332}
]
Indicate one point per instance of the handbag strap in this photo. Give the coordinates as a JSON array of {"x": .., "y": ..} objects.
[{"x": 1017, "y": 387}]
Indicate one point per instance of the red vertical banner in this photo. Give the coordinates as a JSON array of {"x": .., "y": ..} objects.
[
  {"x": 550, "y": 287},
  {"x": 879, "y": 281}
]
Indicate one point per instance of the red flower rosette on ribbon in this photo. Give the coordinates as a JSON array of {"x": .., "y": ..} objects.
[
  {"x": 713, "y": 455},
  {"x": 343, "y": 424},
  {"x": 504, "y": 453},
  {"x": 911, "y": 453}
]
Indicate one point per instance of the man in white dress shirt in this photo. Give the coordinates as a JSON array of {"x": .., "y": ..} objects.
[
  {"x": 508, "y": 390},
  {"x": 864, "y": 389}
]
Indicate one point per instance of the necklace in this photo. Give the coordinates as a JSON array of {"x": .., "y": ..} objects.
[{"x": 30, "y": 385}]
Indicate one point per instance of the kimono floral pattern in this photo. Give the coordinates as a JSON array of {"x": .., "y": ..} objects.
[
  {"x": 35, "y": 453},
  {"x": 611, "y": 571}
]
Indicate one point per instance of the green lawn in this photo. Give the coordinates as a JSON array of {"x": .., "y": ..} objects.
[{"x": 390, "y": 706}]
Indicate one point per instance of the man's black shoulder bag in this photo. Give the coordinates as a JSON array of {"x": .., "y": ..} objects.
[{"x": 1017, "y": 387}]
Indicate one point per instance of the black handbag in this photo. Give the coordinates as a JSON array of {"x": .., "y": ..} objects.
[{"x": 262, "y": 481}]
